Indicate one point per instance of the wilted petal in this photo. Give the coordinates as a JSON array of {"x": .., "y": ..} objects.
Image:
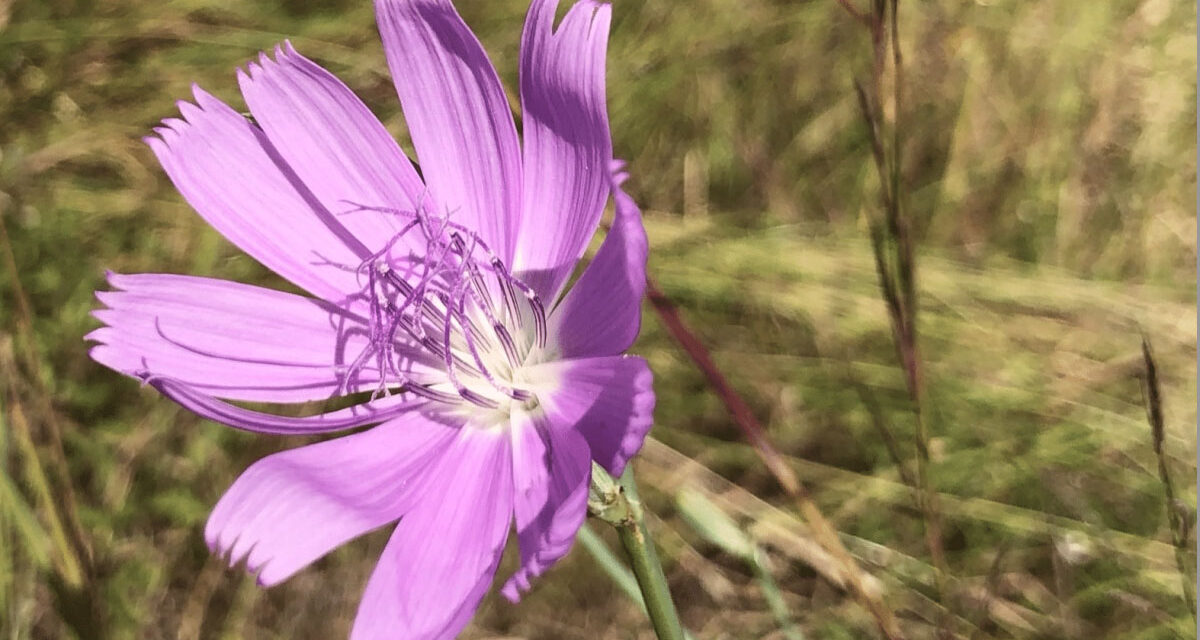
[
  {"x": 291, "y": 508},
  {"x": 567, "y": 145},
  {"x": 457, "y": 115},
  {"x": 602, "y": 313},
  {"x": 610, "y": 401},
  {"x": 227, "y": 339},
  {"x": 225, "y": 168},
  {"x": 333, "y": 143},
  {"x": 443, "y": 554},
  {"x": 551, "y": 471}
]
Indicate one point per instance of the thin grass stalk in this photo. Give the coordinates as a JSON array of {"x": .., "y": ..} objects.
[
  {"x": 65, "y": 560},
  {"x": 824, "y": 532},
  {"x": 612, "y": 567},
  {"x": 774, "y": 596},
  {"x": 718, "y": 528},
  {"x": 67, "y": 501},
  {"x": 892, "y": 246},
  {"x": 885, "y": 433},
  {"x": 991, "y": 587},
  {"x": 1179, "y": 525},
  {"x": 8, "y": 551}
]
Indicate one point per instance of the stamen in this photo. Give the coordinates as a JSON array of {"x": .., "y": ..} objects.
[
  {"x": 430, "y": 394},
  {"x": 463, "y": 391},
  {"x": 539, "y": 312},
  {"x": 506, "y": 341},
  {"x": 503, "y": 388},
  {"x": 193, "y": 399},
  {"x": 480, "y": 286},
  {"x": 506, "y": 289},
  {"x": 411, "y": 297}
]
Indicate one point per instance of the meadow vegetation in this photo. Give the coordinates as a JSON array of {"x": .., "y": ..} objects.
[{"x": 1050, "y": 171}]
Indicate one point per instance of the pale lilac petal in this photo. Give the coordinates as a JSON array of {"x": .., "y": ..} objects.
[
  {"x": 567, "y": 145},
  {"x": 457, "y": 115},
  {"x": 333, "y": 143},
  {"x": 291, "y": 508},
  {"x": 551, "y": 472},
  {"x": 225, "y": 168},
  {"x": 602, "y": 313},
  {"x": 227, "y": 339},
  {"x": 443, "y": 555},
  {"x": 609, "y": 400}
]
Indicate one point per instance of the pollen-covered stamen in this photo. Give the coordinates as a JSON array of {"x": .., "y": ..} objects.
[{"x": 439, "y": 301}]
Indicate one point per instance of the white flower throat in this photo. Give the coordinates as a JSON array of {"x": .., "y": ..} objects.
[{"x": 436, "y": 294}]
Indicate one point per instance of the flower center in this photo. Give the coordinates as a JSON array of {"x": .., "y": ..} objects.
[{"x": 437, "y": 290}]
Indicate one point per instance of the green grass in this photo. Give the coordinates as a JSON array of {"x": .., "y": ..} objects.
[{"x": 1051, "y": 170}]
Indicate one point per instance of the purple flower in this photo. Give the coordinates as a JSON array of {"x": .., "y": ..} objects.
[{"x": 438, "y": 304}]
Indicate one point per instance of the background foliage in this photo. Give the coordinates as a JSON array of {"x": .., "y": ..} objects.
[{"x": 1050, "y": 164}]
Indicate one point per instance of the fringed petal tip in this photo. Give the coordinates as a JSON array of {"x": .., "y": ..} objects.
[
  {"x": 517, "y": 585},
  {"x": 331, "y": 143},
  {"x": 521, "y": 582},
  {"x": 291, "y": 508},
  {"x": 224, "y": 167},
  {"x": 226, "y": 551},
  {"x": 119, "y": 281},
  {"x": 266, "y": 60},
  {"x": 230, "y": 340},
  {"x": 245, "y": 558},
  {"x": 617, "y": 173},
  {"x": 641, "y": 419},
  {"x": 203, "y": 104}
]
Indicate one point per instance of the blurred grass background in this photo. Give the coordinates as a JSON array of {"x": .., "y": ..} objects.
[{"x": 1050, "y": 165}]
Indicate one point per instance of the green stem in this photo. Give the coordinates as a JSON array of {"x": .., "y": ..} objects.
[
  {"x": 617, "y": 503},
  {"x": 646, "y": 567}
]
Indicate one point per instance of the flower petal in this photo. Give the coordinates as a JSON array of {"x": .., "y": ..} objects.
[
  {"x": 227, "y": 170},
  {"x": 567, "y": 144},
  {"x": 227, "y": 339},
  {"x": 551, "y": 471},
  {"x": 333, "y": 143},
  {"x": 457, "y": 115},
  {"x": 291, "y": 508},
  {"x": 609, "y": 400},
  {"x": 602, "y": 313},
  {"x": 443, "y": 554}
]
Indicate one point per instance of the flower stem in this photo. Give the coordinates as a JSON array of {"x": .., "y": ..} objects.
[{"x": 617, "y": 503}]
